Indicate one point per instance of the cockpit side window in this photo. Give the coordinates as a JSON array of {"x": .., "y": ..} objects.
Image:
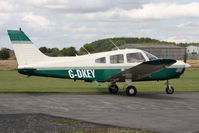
[
  {"x": 150, "y": 56},
  {"x": 101, "y": 60},
  {"x": 119, "y": 58},
  {"x": 135, "y": 57}
]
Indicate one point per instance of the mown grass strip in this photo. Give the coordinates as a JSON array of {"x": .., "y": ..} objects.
[{"x": 13, "y": 82}]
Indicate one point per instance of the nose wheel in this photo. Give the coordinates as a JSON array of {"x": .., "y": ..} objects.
[{"x": 169, "y": 88}]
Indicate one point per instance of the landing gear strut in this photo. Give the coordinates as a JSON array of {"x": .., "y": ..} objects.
[
  {"x": 130, "y": 90},
  {"x": 113, "y": 88},
  {"x": 169, "y": 89}
]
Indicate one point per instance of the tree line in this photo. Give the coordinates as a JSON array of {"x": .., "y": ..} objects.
[
  {"x": 106, "y": 45},
  {"x": 70, "y": 51}
]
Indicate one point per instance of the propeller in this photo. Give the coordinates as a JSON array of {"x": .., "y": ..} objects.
[
  {"x": 185, "y": 55},
  {"x": 185, "y": 59}
]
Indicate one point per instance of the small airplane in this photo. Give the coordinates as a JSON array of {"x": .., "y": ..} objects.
[{"x": 122, "y": 65}]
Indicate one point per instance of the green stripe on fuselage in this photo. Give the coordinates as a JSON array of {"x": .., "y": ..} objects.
[{"x": 100, "y": 75}]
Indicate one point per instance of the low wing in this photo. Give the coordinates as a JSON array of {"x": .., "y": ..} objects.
[{"x": 143, "y": 70}]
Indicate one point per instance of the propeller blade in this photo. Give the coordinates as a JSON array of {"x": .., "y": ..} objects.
[{"x": 185, "y": 55}]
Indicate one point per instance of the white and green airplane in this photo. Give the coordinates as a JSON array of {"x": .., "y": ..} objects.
[{"x": 125, "y": 65}]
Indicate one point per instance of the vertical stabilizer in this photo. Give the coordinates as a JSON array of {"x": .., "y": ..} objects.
[{"x": 26, "y": 52}]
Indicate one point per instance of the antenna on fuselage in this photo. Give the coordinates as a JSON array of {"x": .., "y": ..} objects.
[
  {"x": 86, "y": 50},
  {"x": 75, "y": 53},
  {"x": 114, "y": 44}
]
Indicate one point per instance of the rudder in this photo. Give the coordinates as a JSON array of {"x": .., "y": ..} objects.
[{"x": 26, "y": 52}]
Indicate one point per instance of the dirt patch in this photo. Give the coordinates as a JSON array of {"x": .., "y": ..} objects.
[
  {"x": 194, "y": 64},
  {"x": 8, "y": 64}
]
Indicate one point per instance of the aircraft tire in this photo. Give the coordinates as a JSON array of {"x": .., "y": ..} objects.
[
  {"x": 113, "y": 89},
  {"x": 131, "y": 91},
  {"x": 170, "y": 90}
]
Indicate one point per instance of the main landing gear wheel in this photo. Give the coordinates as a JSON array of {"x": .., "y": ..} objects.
[
  {"x": 131, "y": 91},
  {"x": 113, "y": 89},
  {"x": 169, "y": 89}
]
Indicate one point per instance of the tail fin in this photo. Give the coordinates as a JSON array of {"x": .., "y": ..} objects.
[{"x": 26, "y": 52}]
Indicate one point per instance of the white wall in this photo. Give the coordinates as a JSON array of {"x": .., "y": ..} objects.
[{"x": 192, "y": 50}]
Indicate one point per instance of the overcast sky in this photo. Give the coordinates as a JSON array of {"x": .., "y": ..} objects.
[{"x": 64, "y": 23}]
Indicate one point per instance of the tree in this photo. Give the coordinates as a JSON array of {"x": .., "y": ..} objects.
[
  {"x": 88, "y": 47},
  {"x": 120, "y": 42},
  {"x": 4, "y": 54},
  {"x": 55, "y": 51},
  {"x": 49, "y": 50},
  {"x": 71, "y": 51},
  {"x": 43, "y": 49}
]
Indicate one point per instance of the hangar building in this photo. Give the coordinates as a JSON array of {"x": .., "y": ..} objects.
[{"x": 161, "y": 51}]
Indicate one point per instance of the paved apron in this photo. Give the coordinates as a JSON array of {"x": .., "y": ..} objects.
[{"x": 153, "y": 111}]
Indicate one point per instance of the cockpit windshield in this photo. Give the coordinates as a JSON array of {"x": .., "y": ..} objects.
[{"x": 150, "y": 56}]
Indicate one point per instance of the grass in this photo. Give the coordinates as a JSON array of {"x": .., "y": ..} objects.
[
  {"x": 96, "y": 130},
  {"x": 13, "y": 82}
]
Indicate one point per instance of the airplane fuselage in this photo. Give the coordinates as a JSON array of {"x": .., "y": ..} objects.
[{"x": 86, "y": 68}]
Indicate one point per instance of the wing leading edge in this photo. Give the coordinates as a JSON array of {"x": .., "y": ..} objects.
[{"x": 143, "y": 70}]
